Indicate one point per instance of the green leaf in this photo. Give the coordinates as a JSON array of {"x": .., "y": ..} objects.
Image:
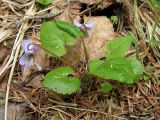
[
  {"x": 155, "y": 3},
  {"x": 118, "y": 47},
  {"x": 68, "y": 27},
  {"x": 106, "y": 87},
  {"x": 136, "y": 67},
  {"x": 155, "y": 42},
  {"x": 117, "y": 67},
  {"x": 114, "y": 19},
  {"x": 59, "y": 81},
  {"x": 145, "y": 77},
  {"x": 56, "y": 35},
  {"x": 44, "y": 2},
  {"x": 120, "y": 69}
]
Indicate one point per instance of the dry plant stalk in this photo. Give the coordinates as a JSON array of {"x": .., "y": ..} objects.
[{"x": 15, "y": 53}]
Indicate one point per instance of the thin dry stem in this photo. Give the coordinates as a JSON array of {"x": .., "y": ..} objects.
[{"x": 16, "y": 48}]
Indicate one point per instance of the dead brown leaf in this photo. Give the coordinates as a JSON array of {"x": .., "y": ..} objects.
[
  {"x": 94, "y": 41},
  {"x": 72, "y": 57},
  {"x": 101, "y": 33},
  {"x": 41, "y": 58}
]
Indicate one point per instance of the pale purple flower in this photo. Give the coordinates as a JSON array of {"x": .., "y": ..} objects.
[
  {"x": 88, "y": 25},
  {"x": 27, "y": 58},
  {"x": 29, "y": 47}
]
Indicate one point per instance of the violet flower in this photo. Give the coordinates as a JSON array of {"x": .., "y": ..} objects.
[
  {"x": 88, "y": 25},
  {"x": 27, "y": 58}
]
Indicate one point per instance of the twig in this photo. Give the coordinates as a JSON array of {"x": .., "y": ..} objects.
[
  {"x": 61, "y": 103},
  {"x": 59, "y": 110},
  {"x": 26, "y": 18}
]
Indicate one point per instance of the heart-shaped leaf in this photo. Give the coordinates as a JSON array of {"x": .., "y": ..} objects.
[
  {"x": 123, "y": 70},
  {"x": 59, "y": 81},
  {"x": 117, "y": 67},
  {"x": 118, "y": 47},
  {"x": 56, "y": 35}
]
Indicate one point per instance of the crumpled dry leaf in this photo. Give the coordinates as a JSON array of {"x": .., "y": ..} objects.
[
  {"x": 42, "y": 58},
  {"x": 101, "y": 33},
  {"x": 73, "y": 54}
]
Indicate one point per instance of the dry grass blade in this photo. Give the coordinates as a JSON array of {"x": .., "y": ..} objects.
[{"x": 16, "y": 49}]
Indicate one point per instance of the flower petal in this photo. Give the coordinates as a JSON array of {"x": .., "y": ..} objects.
[
  {"x": 76, "y": 23},
  {"x": 35, "y": 48},
  {"x": 26, "y": 66},
  {"x": 29, "y": 47},
  {"x": 89, "y": 25},
  {"x": 25, "y": 44},
  {"x": 24, "y": 59}
]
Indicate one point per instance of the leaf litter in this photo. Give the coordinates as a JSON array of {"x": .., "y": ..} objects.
[{"x": 26, "y": 94}]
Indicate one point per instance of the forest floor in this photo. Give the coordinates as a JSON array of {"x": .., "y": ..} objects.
[{"x": 22, "y": 95}]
